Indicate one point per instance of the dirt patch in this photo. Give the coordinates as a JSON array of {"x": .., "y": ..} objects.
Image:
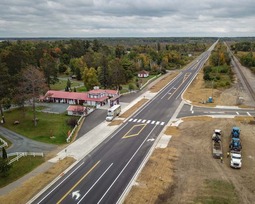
[
  {"x": 198, "y": 118},
  {"x": 115, "y": 122},
  {"x": 134, "y": 108},
  {"x": 171, "y": 130},
  {"x": 187, "y": 165},
  {"x": 198, "y": 94},
  {"x": 32, "y": 186}
]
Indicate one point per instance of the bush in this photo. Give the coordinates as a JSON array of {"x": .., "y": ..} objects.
[{"x": 72, "y": 122}]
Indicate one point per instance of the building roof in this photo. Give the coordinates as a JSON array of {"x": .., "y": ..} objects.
[
  {"x": 72, "y": 96},
  {"x": 143, "y": 72},
  {"x": 108, "y": 91},
  {"x": 66, "y": 95},
  {"x": 76, "y": 108}
]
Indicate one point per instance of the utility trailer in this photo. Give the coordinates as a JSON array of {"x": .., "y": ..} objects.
[{"x": 217, "y": 144}]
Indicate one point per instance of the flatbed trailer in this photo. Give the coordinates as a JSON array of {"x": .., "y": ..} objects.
[{"x": 217, "y": 149}]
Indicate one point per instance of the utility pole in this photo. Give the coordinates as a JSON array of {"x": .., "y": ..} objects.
[{"x": 212, "y": 89}]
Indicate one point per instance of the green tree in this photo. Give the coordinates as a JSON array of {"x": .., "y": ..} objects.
[
  {"x": 116, "y": 73},
  {"x": 4, "y": 164},
  {"x": 119, "y": 51},
  {"x": 4, "y": 87},
  {"x": 103, "y": 73},
  {"x": 49, "y": 67},
  {"x": 4, "y": 153}
]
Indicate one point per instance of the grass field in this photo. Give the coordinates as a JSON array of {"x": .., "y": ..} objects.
[
  {"x": 61, "y": 84},
  {"x": 218, "y": 192},
  {"x": 51, "y": 128}
]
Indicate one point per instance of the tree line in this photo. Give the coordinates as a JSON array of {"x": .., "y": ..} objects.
[
  {"x": 218, "y": 73},
  {"x": 29, "y": 68},
  {"x": 247, "y": 59}
]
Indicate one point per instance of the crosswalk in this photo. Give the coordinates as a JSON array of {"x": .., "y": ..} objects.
[{"x": 153, "y": 122}]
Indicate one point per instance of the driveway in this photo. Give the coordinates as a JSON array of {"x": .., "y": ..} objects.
[
  {"x": 24, "y": 144},
  {"x": 54, "y": 107}
]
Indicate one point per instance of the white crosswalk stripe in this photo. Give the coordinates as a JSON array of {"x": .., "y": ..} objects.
[{"x": 146, "y": 121}]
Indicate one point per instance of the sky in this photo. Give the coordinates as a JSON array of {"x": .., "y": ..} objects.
[{"x": 127, "y": 18}]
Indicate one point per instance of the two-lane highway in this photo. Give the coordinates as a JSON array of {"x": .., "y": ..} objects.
[{"x": 103, "y": 175}]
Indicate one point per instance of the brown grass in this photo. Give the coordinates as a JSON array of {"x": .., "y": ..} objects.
[
  {"x": 115, "y": 122},
  {"x": 246, "y": 119},
  {"x": 31, "y": 187},
  {"x": 155, "y": 177},
  {"x": 163, "y": 82},
  {"x": 134, "y": 108},
  {"x": 198, "y": 118},
  {"x": 172, "y": 130}
]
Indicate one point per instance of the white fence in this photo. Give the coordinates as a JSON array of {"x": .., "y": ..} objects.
[
  {"x": 4, "y": 143},
  {"x": 149, "y": 81},
  {"x": 73, "y": 131},
  {"x": 23, "y": 154}
]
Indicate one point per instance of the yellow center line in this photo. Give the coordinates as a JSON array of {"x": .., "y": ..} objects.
[{"x": 78, "y": 183}]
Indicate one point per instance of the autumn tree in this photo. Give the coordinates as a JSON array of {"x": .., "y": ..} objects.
[
  {"x": 77, "y": 66},
  {"x": 90, "y": 78},
  {"x": 34, "y": 85}
]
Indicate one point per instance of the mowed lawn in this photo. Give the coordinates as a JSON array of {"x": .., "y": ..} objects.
[{"x": 51, "y": 128}]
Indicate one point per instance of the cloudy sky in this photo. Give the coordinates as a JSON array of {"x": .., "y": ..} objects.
[{"x": 126, "y": 18}]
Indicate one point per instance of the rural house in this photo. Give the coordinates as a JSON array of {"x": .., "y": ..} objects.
[{"x": 143, "y": 74}]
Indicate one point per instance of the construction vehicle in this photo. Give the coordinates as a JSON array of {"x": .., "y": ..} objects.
[
  {"x": 235, "y": 133},
  {"x": 235, "y": 160},
  {"x": 216, "y": 144},
  {"x": 113, "y": 112}
]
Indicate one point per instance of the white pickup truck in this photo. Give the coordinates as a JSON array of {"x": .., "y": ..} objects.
[{"x": 235, "y": 160}]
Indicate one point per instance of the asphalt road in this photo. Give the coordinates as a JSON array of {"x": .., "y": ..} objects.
[
  {"x": 103, "y": 176},
  {"x": 24, "y": 144}
]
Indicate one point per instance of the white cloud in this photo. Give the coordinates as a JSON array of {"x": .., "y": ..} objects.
[{"x": 112, "y": 18}]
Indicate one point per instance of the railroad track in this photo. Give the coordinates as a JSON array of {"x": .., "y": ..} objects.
[{"x": 244, "y": 79}]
